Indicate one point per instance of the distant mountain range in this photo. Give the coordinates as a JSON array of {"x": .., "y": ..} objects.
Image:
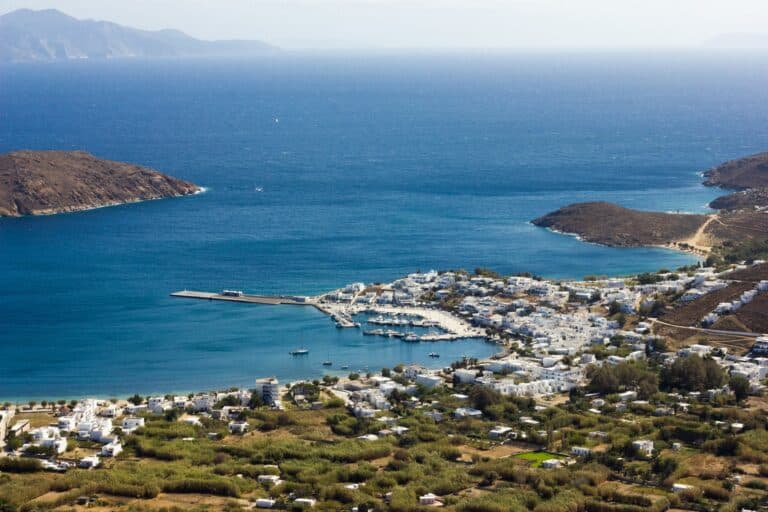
[{"x": 49, "y": 35}]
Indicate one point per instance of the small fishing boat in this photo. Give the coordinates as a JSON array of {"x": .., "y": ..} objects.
[
  {"x": 299, "y": 352},
  {"x": 327, "y": 363},
  {"x": 434, "y": 354}
]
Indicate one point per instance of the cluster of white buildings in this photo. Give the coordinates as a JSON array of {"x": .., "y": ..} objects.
[{"x": 725, "y": 308}]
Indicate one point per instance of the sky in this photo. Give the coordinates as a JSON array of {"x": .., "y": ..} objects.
[{"x": 433, "y": 24}]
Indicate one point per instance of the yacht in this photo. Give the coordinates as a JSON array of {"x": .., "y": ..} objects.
[{"x": 300, "y": 352}]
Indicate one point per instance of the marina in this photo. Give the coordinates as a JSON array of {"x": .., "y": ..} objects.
[{"x": 441, "y": 325}]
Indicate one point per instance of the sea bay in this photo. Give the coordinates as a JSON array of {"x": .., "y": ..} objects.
[{"x": 327, "y": 169}]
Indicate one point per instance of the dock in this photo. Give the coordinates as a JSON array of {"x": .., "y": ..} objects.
[
  {"x": 341, "y": 320},
  {"x": 244, "y": 297}
]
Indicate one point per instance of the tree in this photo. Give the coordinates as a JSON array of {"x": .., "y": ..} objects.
[
  {"x": 622, "y": 377},
  {"x": 692, "y": 373},
  {"x": 256, "y": 400},
  {"x": 482, "y": 397},
  {"x": 603, "y": 380},
  {"x": 136, "y": 399},
  {"x": 740, "y": 387}
]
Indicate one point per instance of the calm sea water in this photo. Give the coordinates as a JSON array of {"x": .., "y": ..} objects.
[{"x": 369, "y": 167}]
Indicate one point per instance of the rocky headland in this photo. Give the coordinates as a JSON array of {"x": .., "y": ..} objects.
[
  {"x": 48, "y": 182},
  {"x": 742, "y": 215}
]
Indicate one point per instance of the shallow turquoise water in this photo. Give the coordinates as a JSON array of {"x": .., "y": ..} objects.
[{"x": 376, "y": 166}]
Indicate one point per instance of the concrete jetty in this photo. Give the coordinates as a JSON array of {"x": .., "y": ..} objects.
[
  {"x": 342, "y": 320},
  {"x": 244, "y": 297}
]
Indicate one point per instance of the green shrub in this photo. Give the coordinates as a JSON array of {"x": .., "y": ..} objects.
[
  {"x": 214, "y": 487},
  {"x": 19, "y": 465}
]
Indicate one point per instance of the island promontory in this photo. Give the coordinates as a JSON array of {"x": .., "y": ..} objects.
[
  {"x": 750, "y": 172},
  {"x": 48, "y": 182},
  {"x": 611, "y": 224},
  {"x": 742, "y": 216}
]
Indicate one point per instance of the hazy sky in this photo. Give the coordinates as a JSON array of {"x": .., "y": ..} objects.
[{"x": 433, "y": 23}]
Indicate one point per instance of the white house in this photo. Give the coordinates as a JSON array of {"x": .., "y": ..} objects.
[
  {"x": 644, "y": 447},
  {"x": 203, "y": 402},
  {"x": 499, "y": 432},
  {"x": 428, "y": 381},
  {"x": 67, "y": 423},
  {"x": 89, "y": 462},
  {"x": 49, "y": 437},
  {"x": 681, "y": 487},
  {"x": 467, "y": 412},
  {"x": 238, "y": 427},
  {"x": 268, "y": 479},
  {"x": 112, "y": 449},
  {"x": 627, "y": 396},
  {"x": 464, "y": 376},
  {"x": 132, "y": 423},
  {"x": 428, "y": 499},
  {"x": 158, "y": 404},
  {"x": 265, "y": 503},
  {"x": 581, "y": 451}
]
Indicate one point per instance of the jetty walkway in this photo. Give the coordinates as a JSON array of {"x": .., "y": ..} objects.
[
  {"x": 244, "y": 297},
  {"x": 342, "y": 320}
]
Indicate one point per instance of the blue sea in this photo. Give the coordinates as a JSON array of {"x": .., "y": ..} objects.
[{"x": 323, "y": 169}]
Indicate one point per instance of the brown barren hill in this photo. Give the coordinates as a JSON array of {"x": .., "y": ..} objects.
[
  {"x": 611, "y": 224},
  {"x": 742, "y": 200},
  {"x": 753, "y": 274},
  {"x": 690, "y": 314},
  {"x": 743, "y": 173},
  {"x": 739, "y": 226},
  {"x": 47, "y": 182}
]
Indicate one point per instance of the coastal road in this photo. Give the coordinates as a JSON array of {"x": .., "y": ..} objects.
[{"x": 711, "y": 331}]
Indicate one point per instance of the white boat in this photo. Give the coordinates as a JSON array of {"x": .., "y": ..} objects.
[{"x": 299, "y": 352}]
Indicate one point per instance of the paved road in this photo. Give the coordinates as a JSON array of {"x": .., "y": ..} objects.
[{"x": 711, "y": 331}]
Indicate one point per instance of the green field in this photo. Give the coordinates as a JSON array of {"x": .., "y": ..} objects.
[{"x": 536, "y": 458}]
